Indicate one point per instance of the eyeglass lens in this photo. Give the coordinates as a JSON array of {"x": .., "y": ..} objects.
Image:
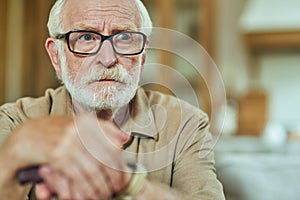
[{"x": 123, "y": 42}]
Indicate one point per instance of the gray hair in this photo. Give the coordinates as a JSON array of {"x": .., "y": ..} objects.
[
  {"x": 55, "y": 18},
  {"x": 55, "y": 26}
]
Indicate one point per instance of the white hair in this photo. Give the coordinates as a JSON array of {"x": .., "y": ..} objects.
[
  {"x": 55, "y": 18},
  {"x": 146, "y": 23}
]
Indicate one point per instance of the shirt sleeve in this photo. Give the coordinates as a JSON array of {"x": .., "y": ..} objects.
[
  {"x": 194, "y": 172},
  {"x": 6, "y": 125}
]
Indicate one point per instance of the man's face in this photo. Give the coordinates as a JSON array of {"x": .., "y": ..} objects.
[{"x": 104, "y": 80}]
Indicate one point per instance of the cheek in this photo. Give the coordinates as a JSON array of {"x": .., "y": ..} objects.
[
  {"x": 76, "y": 67},
  {"x": 130, "y": 62},
  {"x": 71, "y": 70}
]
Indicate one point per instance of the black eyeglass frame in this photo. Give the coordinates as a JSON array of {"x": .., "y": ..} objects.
[{"x": 66, "y": 36}]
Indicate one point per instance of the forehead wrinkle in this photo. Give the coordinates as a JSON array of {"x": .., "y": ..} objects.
[
  {"x": 117, "y": 16},
  {"x": 118, "y": 11},
  {"x": 100, "y": 26}
]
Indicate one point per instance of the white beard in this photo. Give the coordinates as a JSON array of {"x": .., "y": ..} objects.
[{"x": 101, "y": 96}]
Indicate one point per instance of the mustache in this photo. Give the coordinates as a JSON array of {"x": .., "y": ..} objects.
[{"x": 116, "y": 73}]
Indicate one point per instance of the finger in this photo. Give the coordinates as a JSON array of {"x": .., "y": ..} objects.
[
  {"x": 99, "y": 142},
  {"x": 117, "y": 179},
  {"x": 112, "y": 130},
  {"x": 102, "y": 176},
  {"x": 71, "y": 166},
  {"x": 74, "y": 167},
  {"x": 96, "y": 176},
  {"x": 107, "y": 154},
  {"x": 65, "y": 188},
  {"x": 43, "y": 192},
  {"x": 84, "y": 186},
  {"x": 75, "y": 193},
  {"x": 56, "y": 182},
  {"x": 104, "y": 130}
]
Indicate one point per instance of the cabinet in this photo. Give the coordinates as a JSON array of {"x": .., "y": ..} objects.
[{"x": 281, "y": 40}]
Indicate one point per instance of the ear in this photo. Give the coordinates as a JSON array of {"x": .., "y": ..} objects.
[
  {"x": 53, "y": 54},
  {"x": 143, "y": 58}
]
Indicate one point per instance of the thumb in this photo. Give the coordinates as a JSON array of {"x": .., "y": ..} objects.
[
  {"x": 112, "y": 131},
  {"x": 91, "y": 128}
]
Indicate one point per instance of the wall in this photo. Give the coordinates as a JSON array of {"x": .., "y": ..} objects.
[
  {"x": 277, "y": 73},
  {"x": 280, "y": 76},
  {"x": 3, "y": 25},
  {"x": 24, "y": 64},
  {"x": 14, "y": 46},
  {"x": 231, "y": 54},
  {"x": 261, "y": 15}
]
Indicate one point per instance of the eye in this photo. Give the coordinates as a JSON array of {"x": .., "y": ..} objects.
[
  {"x": 123, "y": 36},
  {"x": 86, "y": 37}
]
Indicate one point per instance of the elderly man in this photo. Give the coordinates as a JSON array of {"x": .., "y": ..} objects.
[{"x": 129, "y": 149}]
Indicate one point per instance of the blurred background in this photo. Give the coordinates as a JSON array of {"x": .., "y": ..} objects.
[{"x": 256, "y": 47}]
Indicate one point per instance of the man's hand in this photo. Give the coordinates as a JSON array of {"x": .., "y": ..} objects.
[
  {"x": 80, "y": 157},
  {"x": 57, "y": 184}
]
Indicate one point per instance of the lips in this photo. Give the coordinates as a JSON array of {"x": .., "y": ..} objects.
[
  {"x": 109, "y": 80},
  {"x": 106, "y": 76}
]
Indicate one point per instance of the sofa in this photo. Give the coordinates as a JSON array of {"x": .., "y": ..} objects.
[{"x": 251, "y": 169}]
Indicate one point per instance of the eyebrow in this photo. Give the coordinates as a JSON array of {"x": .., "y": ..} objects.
[
  {"x": 123, "y": 27},
  {"x": 115, "y": 27},
  {"x": 85, "y": 27}
]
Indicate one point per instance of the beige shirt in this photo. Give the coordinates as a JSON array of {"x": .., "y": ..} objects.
[{"x": 171, "y": 137}]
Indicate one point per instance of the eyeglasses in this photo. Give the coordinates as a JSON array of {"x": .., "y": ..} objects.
[{"x": 127, "y": 43}]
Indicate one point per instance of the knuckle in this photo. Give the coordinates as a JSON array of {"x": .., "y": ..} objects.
[
  {"x": 64, "y": 195},
  {"x": 118, "y": 185}
]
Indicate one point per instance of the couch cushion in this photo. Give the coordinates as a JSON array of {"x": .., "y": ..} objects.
[{"x": 255, "y": 173}]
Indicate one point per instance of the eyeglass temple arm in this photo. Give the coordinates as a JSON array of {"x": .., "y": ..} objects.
[{"x": 60, "y": 36}]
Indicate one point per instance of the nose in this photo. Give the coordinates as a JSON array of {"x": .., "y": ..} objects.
[{"x": 106, "y": 55}]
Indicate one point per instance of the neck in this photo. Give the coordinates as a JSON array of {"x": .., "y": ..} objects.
[
  {"x": 79, "y": 109},
  {"x": 117, "y": 114}
]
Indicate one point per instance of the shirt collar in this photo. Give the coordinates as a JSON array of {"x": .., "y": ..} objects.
[
  {"x": 61, "y": 104},
  {"x": 139, "y": 117}
]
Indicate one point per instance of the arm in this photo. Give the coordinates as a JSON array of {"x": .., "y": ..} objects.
[
  {"x": 193, "y": 181},
  {"x": 154, "y": 190},
  {"x": 194, "y": 176},
  {"x": 194, "y": 172}
]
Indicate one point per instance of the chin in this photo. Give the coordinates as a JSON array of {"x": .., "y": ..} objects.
[{"x": 104, "y": 98}]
